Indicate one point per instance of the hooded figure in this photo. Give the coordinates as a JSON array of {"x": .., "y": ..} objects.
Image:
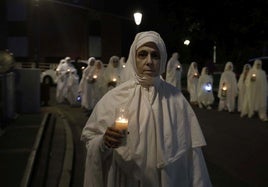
[
  {"x": 205, "y": 89},
  {"x": 242, "y": 88},
  {"x": 61, "y": 82},
  {"x": 227, "y": 89},
  {"x": 174, "y": 69},
  {"x": 192, "y": 82},
  {"x": 85, "y": 85},
  {"x": 256, "y": 92},
  {"x": 111, "y": 75},
  {"x": 164, "y": 140}
]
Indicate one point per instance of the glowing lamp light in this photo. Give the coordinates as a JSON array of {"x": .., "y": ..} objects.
[
  {"x": 137, "y": 18},
  {"x": 186, "y": 42},
  {"x": 224, "y": 91},
  {"x": 114, "y": 80},
  {"x": 95, "y": 76},
  {"x": 83, "y": 67},
  {"x": 253, "y": 77},
  {"x": 121, "y": 122},
  {"x": 124, "y": 66},
  {"x": 208, "y": 87},
  {"x": 68, "y": 70},
  {"x": 195, "y": 74}
]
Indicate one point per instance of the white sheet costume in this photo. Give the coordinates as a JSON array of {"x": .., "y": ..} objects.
[
  {"x": 205, "y": 89},
  {"x": 111, "y": 74},
  {"x": 61, "y": 82},
  {"x": 256, "y": 92},
  {"x": 174, "y": 70},
  {"x": 164, "y": 141},
  {"x": 85, "y": 85},
  {"x": 72, "y": 85},
  {"x": 192, "y": 82},
  {"x": 242, "y": 88},
  {"x": 227, "y": 80}
]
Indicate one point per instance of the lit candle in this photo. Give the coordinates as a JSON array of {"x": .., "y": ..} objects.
[
  {"x": 195, "y": 74},
  {"x": 224, "y": 91},
  {"x": 95, "y": 76},
  {"x": 253, "y": 77},
  {"x": 121, "y": 123},
  {"x": 114, "y": 79}
]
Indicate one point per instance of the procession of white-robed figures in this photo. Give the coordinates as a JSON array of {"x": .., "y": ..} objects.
[{"x": 140, "y": 120}]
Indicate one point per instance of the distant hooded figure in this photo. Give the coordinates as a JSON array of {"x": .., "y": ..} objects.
[
  {"x": 85, "y": 85},
  {"x": 205, "y": 89},
  {"x": 61, "y": 82},
  {"x": 256, "y": 92},
  {"x": 227, "y": 89},
  {"x": 242, "y": 87},
  {"x": 111, "y": 75},
  {"x": 163, "y": 145},
  {"x": 192, "y": 82},
  {"x": 174, "y": 70}
]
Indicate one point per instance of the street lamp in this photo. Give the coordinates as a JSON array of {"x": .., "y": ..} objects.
[
  {"x": 137, "y": 17},
  {"x": 186, "y": 42}
]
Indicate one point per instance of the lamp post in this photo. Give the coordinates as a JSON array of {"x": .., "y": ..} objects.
[
  {"x": 37, "y": 33},
  {"x": 214, "y": 53},
  {"x": 137, "y": 18}
]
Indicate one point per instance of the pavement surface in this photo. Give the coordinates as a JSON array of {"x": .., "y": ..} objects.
[{"x": 236, "y": 151}]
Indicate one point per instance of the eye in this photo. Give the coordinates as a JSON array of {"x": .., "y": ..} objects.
[
  {"x": 142, "y": 54},
  {"x": 155, "y": 55}
]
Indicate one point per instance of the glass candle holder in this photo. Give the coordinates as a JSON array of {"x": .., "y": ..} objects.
[{"x": 121, "y": 122}]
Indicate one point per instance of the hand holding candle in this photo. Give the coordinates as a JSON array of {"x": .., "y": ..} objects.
[
  {"x": 253, "y": 77},
  {"x": 121, "y": 122}
]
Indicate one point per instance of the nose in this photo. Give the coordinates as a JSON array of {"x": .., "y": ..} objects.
[{"x": 149, "y": 59}]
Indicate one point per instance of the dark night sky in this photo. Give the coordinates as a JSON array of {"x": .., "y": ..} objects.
[{"x": 237, "y": 27}]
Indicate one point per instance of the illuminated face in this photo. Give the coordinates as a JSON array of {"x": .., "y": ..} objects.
[
  {"x": 148, "y": 60},
  {"x": 92, "y": 62},
  {"x": 98, "y": 65},
  {"x": 115, "y": 62}
]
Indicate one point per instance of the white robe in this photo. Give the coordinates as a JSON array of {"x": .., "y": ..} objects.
[
  {"x": 256, "y": 93},
  {"x": 163, "y": 145},
  {"x": 241, "y": 85},
  {"x": 173, "y": 74},
  {"x": 192, "y": 82},
  {"x": 228, "y": 78},
  {"x": 86, "y": 87},
  {"x": 205, "y": 96}
]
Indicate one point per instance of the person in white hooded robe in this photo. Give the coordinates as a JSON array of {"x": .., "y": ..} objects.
[
  {"x": 227, "y": 89},
  {"x": 192, "y": 82},
  {"x": 61, "y": 82},
  {"x": 85, "y": 85},
  {"x": 205, "y": 89},
  {"x": 241, "y": 85},
  {"x": 174, "y": 70},
  {"x": 97, "y": 84},
  {"x": 163, "y": 146},
  {"x": 111, "y": 74},
  {"x": 256, "y": 92},
  {"x": 72, "y": 83}
]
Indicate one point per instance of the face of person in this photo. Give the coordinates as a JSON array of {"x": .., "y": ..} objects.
[
  {"x": 115, "y": 63},
  {"x": 148, "y": 60},
  {"x": 98, "y": 65},
  {"x": 92, "y": 62}
]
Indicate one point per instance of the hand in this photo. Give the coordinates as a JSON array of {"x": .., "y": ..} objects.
[
  {"x": 112, "y": 137},
  {"x": 113, "y": 84}
]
